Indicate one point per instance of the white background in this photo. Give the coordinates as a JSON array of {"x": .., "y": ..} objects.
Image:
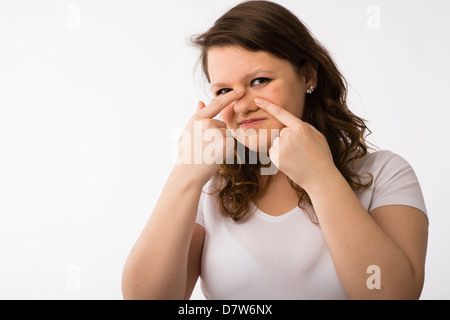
[{"x": 91, "y": 93}]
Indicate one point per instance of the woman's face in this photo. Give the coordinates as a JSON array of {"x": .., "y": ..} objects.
[{"x": 260, "y": 75}]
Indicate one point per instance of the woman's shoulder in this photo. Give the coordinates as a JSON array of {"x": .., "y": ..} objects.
[
  {"x": 381, "y": 161},
  {"x": 394, "y": 181},
  {"x": 385, "y": 167},
  {"x": 212, "y": 186}
]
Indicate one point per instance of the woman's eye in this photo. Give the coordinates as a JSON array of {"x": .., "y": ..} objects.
[
  {"x": 223, "y": 91},
  {"x": 256, "y": 82},
  {"x": 260, "y": 81}
]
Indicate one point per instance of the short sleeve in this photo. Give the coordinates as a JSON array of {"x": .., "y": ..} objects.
[
  {"x": 200, "y": 211},
  {"x": 396, "y": 183},
  {"x": 207, "y": 202}
]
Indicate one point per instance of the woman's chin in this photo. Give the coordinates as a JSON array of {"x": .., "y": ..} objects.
[{"x": 259, "y": 142}]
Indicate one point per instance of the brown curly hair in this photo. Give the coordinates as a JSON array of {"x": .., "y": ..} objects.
[{"x": 269, "y": 27}]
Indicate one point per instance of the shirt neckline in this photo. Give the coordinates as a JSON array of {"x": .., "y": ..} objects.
[{"x": 271, "y": 218}]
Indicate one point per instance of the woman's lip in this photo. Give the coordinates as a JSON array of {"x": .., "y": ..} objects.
[{"x": 251, "y": 123}]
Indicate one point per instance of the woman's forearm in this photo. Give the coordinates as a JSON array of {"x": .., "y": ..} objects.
[
  {"x": 156, "y": 267},
  {"x": 356, "y": 242}
]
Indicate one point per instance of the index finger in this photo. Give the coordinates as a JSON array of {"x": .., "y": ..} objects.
[
  {"x": 284, "y": 116},
  {"x": 215, "y": 107}
]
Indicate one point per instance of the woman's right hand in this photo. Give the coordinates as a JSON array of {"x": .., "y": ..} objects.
[{"x": 202, "y": 147}]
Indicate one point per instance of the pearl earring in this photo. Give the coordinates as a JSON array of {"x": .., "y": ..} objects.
[{"x": 310, "y": 90}]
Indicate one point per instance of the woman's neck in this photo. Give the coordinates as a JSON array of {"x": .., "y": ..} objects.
[{"x": 279, "y": 197}]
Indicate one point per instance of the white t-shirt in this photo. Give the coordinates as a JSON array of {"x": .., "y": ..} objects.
[{"x": 286, "y": 257}]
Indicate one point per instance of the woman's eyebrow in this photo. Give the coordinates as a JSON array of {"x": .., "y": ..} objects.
[{"x": 246, "y": 77}]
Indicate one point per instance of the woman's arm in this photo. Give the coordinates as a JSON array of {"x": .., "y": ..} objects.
[
  {"x": 393, "y": 238},
  {"x": 157, "y": 265},
  {"x": 194, "y": 259},
  {"x": 165, "y": 261}
]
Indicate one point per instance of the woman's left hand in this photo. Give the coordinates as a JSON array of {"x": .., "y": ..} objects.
[{"x": 301, "y": 151}]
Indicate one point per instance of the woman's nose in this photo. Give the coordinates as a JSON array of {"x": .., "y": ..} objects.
[{"x": 245, "y": 104}]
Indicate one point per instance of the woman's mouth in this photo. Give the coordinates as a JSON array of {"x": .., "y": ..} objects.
[{"x": 251, "y": 123}]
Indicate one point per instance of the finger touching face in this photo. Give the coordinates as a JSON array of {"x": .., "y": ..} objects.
[
  {"x": 258, "y": 75},
  {"x": 216, "y": 107}
]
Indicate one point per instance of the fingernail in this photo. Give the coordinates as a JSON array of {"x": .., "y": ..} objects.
[{"x": 259, "y": 101}]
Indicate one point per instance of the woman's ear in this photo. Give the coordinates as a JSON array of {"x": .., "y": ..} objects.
[{"x": 310, "y": 73}]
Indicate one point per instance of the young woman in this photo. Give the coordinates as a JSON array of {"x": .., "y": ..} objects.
[{"x": 332, "y": 222}]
